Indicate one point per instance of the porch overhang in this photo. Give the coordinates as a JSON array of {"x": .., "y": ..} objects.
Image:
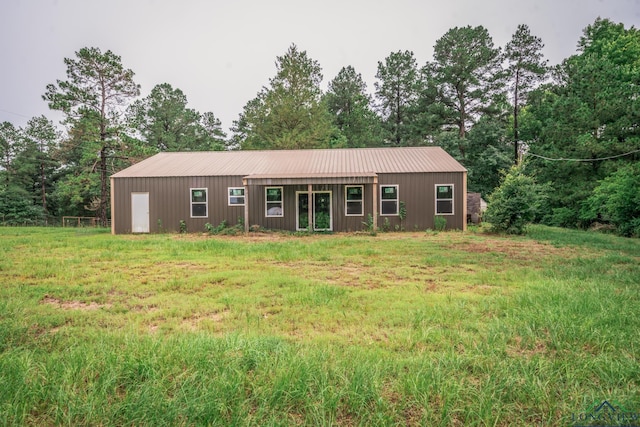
[
  {"x": 313, "y": 179},
  {"x": 310, "y": 179}
]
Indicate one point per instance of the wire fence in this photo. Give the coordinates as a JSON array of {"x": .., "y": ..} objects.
[
  {"x": 51, "y": 221},
  {"x": 80, "y": 221}
]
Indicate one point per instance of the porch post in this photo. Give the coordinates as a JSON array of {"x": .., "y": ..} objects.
[
  {"x": 310, "y": 208},
  {"x": 246, "y": 205},
  {"x": 464, "y": 202},
  {"x": 375, "y": 203}
]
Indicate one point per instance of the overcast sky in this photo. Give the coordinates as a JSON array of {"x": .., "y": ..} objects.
[{"x": 221, "y": 53}]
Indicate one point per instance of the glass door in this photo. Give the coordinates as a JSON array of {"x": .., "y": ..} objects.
[
  {"x": 321, "y": 211},
  {"x": 302, "y": 219}
]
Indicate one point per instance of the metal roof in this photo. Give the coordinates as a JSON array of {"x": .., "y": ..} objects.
[{"x": 295, "y": 163}]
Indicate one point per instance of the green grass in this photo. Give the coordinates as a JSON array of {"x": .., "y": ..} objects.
[{"x": 272, "y": 329}]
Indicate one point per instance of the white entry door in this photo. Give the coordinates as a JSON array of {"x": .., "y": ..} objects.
[{"x": 140, "y": 212}]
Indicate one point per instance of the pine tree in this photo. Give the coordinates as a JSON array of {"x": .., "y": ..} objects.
[
  {"x": 397, "y": 92},
  {"x": 525, "y": 70},
  {"x": 467, "y": 78},
  {"x": 350, "y": 106},
  {"x": 290, "y": 114},
  {"x": 97, "y": 86}
]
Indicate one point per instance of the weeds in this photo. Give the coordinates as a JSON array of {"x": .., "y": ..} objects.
[
  {"x": 272, "y": 329},
  {"x": 439, "y": 223},
  {"x": 370, "y": 225}
]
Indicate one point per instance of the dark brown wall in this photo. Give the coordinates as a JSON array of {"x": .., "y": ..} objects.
[
  {"x": 169, "y": 202},
  {"x": 417, "y": 191}
]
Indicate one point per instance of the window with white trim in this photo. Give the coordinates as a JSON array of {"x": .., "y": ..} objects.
[
  {"x": 388, "y": 200},
  {"x": 198, "y": 203},
  {"x": 236, "y": 196},
  {"x": 273, "y": 198},
  {"x": 444, "y": 199},
  {"x": 354, "y": 200}
]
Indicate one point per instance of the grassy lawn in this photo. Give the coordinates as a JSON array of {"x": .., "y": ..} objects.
[{"x": 271, "y": 329}]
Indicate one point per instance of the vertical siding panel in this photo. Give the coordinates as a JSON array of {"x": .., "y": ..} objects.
[{"x": 169, "y": 202}]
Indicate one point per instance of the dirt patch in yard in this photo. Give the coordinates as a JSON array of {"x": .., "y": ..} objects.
[
  {"x": 517, "y": 347},
  {"x": 515, "y": 249},
  {"x": 73, "y": 305},
  {"x": 193, "y": 322}
]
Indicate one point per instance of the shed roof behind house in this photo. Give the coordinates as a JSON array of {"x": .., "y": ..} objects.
[{"x": 326, "y": 162}]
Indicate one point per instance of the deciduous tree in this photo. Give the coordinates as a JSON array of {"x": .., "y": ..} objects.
[
  {"x": 616, "y": 200},
  {"x": 589, "y": 114}
]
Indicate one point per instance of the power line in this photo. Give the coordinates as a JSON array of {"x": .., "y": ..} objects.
[
  {"x": 15, "y": 114},
  {"x": 583, "y": 160}
]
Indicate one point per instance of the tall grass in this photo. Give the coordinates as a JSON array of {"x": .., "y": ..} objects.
[{"x": 268, "y": 329}]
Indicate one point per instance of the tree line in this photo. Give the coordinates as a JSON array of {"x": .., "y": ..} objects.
[{"x": 573, "y": 127}]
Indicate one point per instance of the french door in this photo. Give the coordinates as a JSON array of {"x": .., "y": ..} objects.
[{"x": 320, "y": 211}]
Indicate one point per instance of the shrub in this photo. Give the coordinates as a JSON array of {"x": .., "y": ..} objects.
[
  {"x": 561, "y": 217},
  {"x": 17, "y": 208},
  {"x": 515, "y": 203},
  {"x": 616, "y": 200}
]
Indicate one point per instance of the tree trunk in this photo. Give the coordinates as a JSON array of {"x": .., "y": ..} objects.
[
  {"x": 104, "y": 193},
  {"x": 463, "y": 114},
  {"x": 44, "y": 193},
  {"x": 398, "y": 116},
  {"x": 515, "y": 120}
]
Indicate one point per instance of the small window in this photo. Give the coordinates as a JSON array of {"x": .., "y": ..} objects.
[
  {"x": 236, "y": 196},
  {"x": 389, "y": 200},
  {"x": 354, "y": 199},
  {"x": 274, "y": 201},
  {"x": 444, "y": 199},
  {"x": 198, "y": 203}
]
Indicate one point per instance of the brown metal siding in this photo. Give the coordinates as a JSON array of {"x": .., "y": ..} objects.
[
  {"x": 169, "y": 202},
  {"x": 417, "y": 191},
  {"x": 341, "y": 222}
]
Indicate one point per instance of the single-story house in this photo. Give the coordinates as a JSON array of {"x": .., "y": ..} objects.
[{"x": 339, "y": 189}]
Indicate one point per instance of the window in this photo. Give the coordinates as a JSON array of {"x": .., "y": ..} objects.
[
  {"x": 274, "y": 201},
  {"x": 236, "y": 196},
  {"x": 444, "y": 199},
  {"x": 389, "y": 200},
  {"x": 198, "y": 203},
  {"x": 354, "y": 195}
]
